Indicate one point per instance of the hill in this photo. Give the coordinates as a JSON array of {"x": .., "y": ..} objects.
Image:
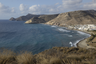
[
  {"x": 24, "y": 18},
  {"x": 74, "y": 17},
  {"x": 56, "y": 55},
  {"x": 42, "y": 19}
]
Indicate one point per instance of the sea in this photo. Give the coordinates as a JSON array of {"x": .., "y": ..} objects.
[{"x": 18, "y": 36}]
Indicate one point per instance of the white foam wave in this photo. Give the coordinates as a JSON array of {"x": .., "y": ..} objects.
[
  {"x": 75, "y": 44},
  {"x": 63, "y": 30},
  {"x": 53, "y": 26},
  {"x": 81, "y": 32},
  {"x": 70, "y": 35},
  {"x": 71, "y": 43}
]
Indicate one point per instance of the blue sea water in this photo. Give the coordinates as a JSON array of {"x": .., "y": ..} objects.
[{"x": 18, "y": 36}]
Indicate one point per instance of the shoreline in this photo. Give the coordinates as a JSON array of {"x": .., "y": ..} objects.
[{"x": 82, "y": 42}]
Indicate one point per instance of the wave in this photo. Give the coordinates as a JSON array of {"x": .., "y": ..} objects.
[
  {"x": 75, "y": 44},
  {"x": 63, "y": 30},
  {"x": 53, "y": 26},
  {"x": 70, "y": 35},
  {"x": 81, "y": 32},
  {"x": 71, "y": 43}
]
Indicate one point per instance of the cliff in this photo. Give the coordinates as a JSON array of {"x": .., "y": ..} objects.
[
  {"x": 42, "y": 19},
  {"x": 24, "y": 18},
  {"x": 74, "y": 17},
  {"x": 35, "y": 20}
]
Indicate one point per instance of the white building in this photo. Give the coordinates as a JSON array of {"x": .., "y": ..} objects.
[{"x": 84, "y": 27}]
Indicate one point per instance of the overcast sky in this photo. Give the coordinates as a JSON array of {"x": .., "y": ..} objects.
[{"x": 16, "y": 8}]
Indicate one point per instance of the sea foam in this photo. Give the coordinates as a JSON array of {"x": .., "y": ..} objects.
[
  {"x": 53, "y": 26},
  {"x": 63, "y": 30}
]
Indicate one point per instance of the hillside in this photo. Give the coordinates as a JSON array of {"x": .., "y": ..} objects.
[
  {"x": 74, "y": 17},
  {"x": 42, "y": 19},
  {"x": 24, "y": 18},
  {"x": 35, "y": 20},
  {"x": 48, "y": 17},
  {"x": 56, "y": 55}
]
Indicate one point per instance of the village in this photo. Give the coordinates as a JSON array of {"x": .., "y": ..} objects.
[{"x": 85, "y": 27}]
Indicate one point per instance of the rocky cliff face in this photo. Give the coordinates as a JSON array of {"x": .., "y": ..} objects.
[
  {"x": 75, "y": 17},
  {"x": 42, "y": 19},
  {"x": 24, "y": 18},
  {"x": 35, "y": 20}
]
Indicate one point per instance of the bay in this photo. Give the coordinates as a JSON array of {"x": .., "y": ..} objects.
[{"x": 35, "y": 38}]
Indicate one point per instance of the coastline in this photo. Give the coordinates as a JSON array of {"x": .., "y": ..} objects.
[{"x": 82, "y": 43}]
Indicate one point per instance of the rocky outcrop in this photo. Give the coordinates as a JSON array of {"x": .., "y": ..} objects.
[
  {"x": 25, "y": 18},
  {"x": 42, "y": 19},
  {"x": 12, "y": 19},
  {"x": 75, "y": 17},
  {"x": 35, "y": 20}
]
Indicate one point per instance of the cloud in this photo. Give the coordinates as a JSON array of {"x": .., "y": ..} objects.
[
  {"x": 56, "y": 8},
  {"x": 65, "y": 6},
  {"x": 70, "y": 4},
  {"x": 6, "y": 9},
  {"x": 90, "y": 5},
  {"x": 39, "y": 9},
  {"x": 23, "y": 8},
  {"x": 35, "y": 9}
]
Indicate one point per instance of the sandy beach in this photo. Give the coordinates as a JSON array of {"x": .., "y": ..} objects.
[{"x": 83, "y": 43}]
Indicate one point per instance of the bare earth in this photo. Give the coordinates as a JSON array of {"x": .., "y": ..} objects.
[{"x": 83, "y": 44}]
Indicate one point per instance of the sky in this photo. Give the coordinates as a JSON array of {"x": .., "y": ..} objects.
[{"x": 16, "y": 8}]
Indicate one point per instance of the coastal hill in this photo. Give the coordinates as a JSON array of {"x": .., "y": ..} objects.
[
  {"x": 35, "y": 20},
  {"x": 48, "y": 17},
  {"x": 24, "y": 18},
  {"x": 42, "y": 19},
  {"x": 74, "y": 17}
]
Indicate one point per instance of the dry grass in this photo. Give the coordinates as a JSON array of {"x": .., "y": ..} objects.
[
  {"x": 55, "y": 60},
  {"x": 92, "y": 44},
  {"x": 7, "y": 56},
  {"x": 25, "y": 58},
  {"x": 56, "y": 55}
]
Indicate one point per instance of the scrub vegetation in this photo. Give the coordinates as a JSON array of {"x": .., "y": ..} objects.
[{"x": 56, "y": 55}]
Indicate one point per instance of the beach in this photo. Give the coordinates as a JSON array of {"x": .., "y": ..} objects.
[{"x": 83, "y": 43}]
